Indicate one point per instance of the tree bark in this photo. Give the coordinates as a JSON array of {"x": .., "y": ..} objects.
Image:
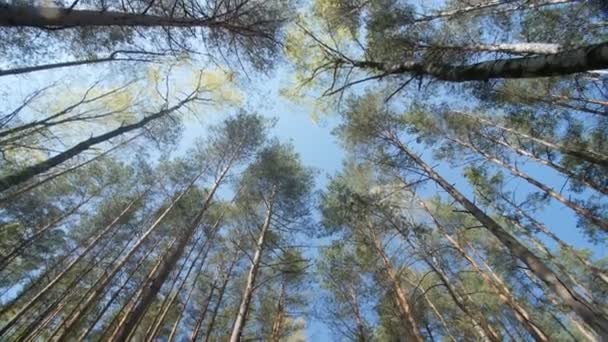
[
  {"x": 5, "y": 260},
  {"x": 61, "y": 18},
  {"x": 116, "y": 293},
  {"x": 503, "y": 292},
  {"x": 152, "y": 289},
  {"x": 216, "y": 308},
  {"x": 23, "y": 309},
  {"x": 36, "y": 169},
  {"x": 589, "y": 156},
  {"x": 566, "y": 172},
  {"x": 239, "y": 323},
  {"x": 100, "y": 289},
  {"x": 401, "y": 297},
  {"x": 584, "y": 309},
  {"x": 277, "y": 323},
  {"x": 583, "y": 212},
  {"x": 591, "y": 57},
  {"x": 111, "y": 58}
]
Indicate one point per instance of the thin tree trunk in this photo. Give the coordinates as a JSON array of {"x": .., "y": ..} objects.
[
  {"x": 36, "y": 169},
  {"x": 579, "y": 305},
  {"x": 587, "y": 214},
  {"x": 100, "y": 289},
  {"x": 216, "y": 308},
  {"x": 171, "y": 296},
  {"x": 485, "y": 5},
  {"x": 111, "y": 58},
  {"x": 354, "y": 303},
  {"x": 479, "y": 322},
  {"x": 566, "y": 172},
  {"x": 277, "y": 323},
  {"x": 32, "y": 186},
  {"x": 150, "y": 291},
  {"x": 512, "y": 48},
  {"x": 589, "y": 156},
  {"x": 503, "y": 292},
  {"x": 65, "y": 296},
  {"x": 181, "y": 312},
  {"x": 23, "y": 309},
  {"x": 116, "y": 293},
  {"x": 439, "y": 316},
  {"x": 401, "y": 297},
  {"x": 15, "y": 252},
  {"x": 130, "y": 302},
  {"x": 597, "y": 272},
  {"x": 201, "y": 318},
  {"x": 591, "y": 57},
  {"x": 239, "y": 322}
]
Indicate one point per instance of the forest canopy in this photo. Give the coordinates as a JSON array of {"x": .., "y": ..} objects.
[{"x": 449, "y": 180}]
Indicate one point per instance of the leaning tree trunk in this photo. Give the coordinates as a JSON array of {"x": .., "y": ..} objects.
[
  {"x": 116, "y": 293},
  {"x": 24, "y": 308},
  {"x": 497, "y": 285},
  {"x": 565, "y": 171},
  {"x": 71, "y": 323},
  {"x": 586, "y": 58},
  {"x": 239, "y": 323},
  {"x": 32, "y": 16},
  {"x": 37, "y": 169},
  {"x": 480, "y": 324},
  {"x": 588, "y": 156},
  {"x": 401, "y": 297},
  {"x": 151, "y": 291},
  {"x": 218, "y": 303},
  {"x": 171, "y": 296},
  {"x": 583, "y": 212},
  {"x": 5, "y": 260},
  {"x": 584, "y": 309},
  {"x": 30, "y": 332},
  {"x": 277, "y": 323}
]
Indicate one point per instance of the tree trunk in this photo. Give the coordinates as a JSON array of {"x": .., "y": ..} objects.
[
  {"x": 171, "y": 296},
  {"x": 32, "y": 186},
  {"x": 116, "y": 293},
  {"x": 216, "y": 308},
  {"x": 503, "y": 292},
  {"x": 579, "y": 305},
  {"x": 57, "y": 17},
  {"x": 589, "y": 156},
  {"x": 591, "y": 57},
  {"x": 181, "y": 312},
  {"x": 566, "y": 172},
  {"x": 152, "y": 289},
  {"x": 23, "y": 309},
  {"x": 65, "y": 296},
  {"x": 485, "y": 5},
  {"x": 512, "y": 48},
  {"x": 111, "y": 58},
  {"x": 277, "y": 323},
  {"x": 479, "y": 322},
  {"x": 401, "y": 297},
  {"x": 587, "y": 214},
  {"x": 134, "y": 297},
  {"x": 201, "y": 318},
  {"x": 7, "y": 259},
  {"x": 446, "y": 328},
  {"x": 36, "y": 169},
  {"x": 239, "y": 323},
  {"x": 100, "y": 289},
  {"x": 597, "y": 272}
]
